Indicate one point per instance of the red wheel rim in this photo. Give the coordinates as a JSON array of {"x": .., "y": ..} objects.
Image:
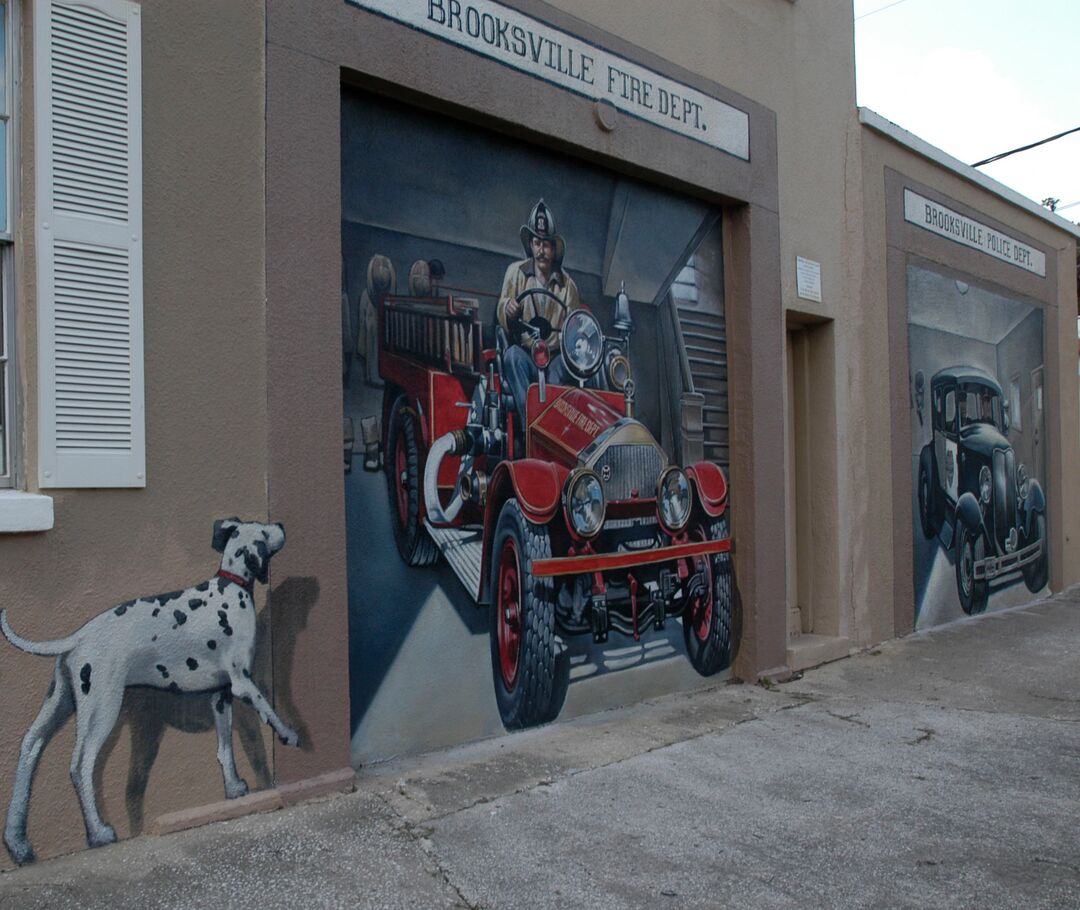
[
  {"x": 701, "y": 608},
  {"x": 509, "y": 613},
  {"x": 401, "y": 474}
]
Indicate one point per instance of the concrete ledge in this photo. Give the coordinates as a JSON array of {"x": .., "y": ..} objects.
[
  {"x": 23, "y": 512},
  {"x": 341, "y": 781},
  {"x": 805, "y": 651}
]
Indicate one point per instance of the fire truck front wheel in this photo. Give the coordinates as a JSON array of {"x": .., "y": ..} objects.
[
  {"x": 404, "y": 483},
  {"x": 523, "y": 647},
  {"x": 707, "y": 618}
]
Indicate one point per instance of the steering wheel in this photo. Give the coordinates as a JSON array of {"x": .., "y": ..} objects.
[{"x": 539, "y": 327}]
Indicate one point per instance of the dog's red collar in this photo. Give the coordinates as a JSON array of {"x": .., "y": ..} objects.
[{"x": 236, "y": 579}]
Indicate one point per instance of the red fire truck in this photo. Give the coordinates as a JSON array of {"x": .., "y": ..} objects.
[{"x": 562, "y": 513}]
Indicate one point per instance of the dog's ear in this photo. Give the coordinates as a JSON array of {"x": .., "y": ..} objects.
[{"x": 223, "y": 530}]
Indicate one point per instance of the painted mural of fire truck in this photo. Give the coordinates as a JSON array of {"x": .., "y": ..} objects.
[{"x": 561, "y": 513}]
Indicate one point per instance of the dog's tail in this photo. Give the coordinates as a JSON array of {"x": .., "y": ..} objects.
[{"x": 44, "y": 648}]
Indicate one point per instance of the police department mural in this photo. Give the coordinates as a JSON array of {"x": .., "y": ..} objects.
[
  {"x": 978, "y": 463},
  {"x": 540, "y": 403}
]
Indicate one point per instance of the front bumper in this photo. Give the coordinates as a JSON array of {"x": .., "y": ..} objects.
[
  {"x": 604, "y": 562},
  {"x": 993, "y": 566}
]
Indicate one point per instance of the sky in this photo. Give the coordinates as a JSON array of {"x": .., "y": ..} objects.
[{"x": 979, "y": 77}]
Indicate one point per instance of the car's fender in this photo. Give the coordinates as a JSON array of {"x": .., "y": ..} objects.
[
  {"x": 1034, "y": 504},
  {"x": 710, "y": 485},
  {"x": 926, "y": 460},
  {"x": 535, "y": 484},
  {"x": 968, "y": 511}
]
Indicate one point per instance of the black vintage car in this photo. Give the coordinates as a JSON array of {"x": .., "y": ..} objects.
[{"x": 974, "y": 494}]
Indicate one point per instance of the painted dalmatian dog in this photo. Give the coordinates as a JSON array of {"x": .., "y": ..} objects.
[{"x": 200, "y": 639}]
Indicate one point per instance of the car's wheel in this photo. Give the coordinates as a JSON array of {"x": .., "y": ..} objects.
[
  {"x": 1036, "y": 574},
  {"x": 927, "y": 512},
  {"x": 970, "y": 549},
  {"x": 707, "y": 618},
  {"x": 523, "y": 646},
  {"x": 404, "y": 483}
]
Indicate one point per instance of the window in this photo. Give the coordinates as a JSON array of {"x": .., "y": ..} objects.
[
  {"x": 1015, "y": 420},
  {"x": 7, "y": 321}
]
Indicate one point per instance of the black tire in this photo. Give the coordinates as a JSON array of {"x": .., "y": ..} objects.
[
  {"x": 522, "y": 623},
  {"x": 927, "y": 498},
  {"x": 970, "y": 548},
  {"x": 404, "y": 484},
  {"x": 1037, "y": 573},
  {"x": 707, "y": 628}
]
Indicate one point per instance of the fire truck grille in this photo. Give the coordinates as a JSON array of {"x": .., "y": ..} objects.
[{"x": 629, "y": 470}]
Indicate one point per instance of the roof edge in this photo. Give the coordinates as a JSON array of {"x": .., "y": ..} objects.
[{"x": 899, "y": 135}]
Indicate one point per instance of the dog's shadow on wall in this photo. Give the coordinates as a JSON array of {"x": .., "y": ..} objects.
[{"x": 147, "y": 712}]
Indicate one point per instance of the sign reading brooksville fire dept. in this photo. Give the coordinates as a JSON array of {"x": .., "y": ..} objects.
[
  {"x": 533, "y": 47},
  {"x": 944, "y": 221}
]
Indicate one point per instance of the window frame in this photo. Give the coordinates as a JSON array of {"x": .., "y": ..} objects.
[{"x": 10, "y": 460}]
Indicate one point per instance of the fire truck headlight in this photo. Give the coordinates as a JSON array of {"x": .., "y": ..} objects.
[
  {"x": 582, "y": 344},
  {"x": 674, "y": 499},
  {"x": 583, "y": 500},
  {"x": 985, "y": 485}
]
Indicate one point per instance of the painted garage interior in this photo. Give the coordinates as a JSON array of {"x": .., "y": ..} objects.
[{"x": 204, "y": 270}]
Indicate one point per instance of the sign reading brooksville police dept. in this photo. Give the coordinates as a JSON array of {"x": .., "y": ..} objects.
[
  {"x": 944, "y": 221},
  {"x": 533, "y": 47}
]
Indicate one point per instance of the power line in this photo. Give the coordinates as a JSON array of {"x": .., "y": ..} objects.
[
  {"x": 880, "y": 9},
  {"x": 1024, "y": 148}
]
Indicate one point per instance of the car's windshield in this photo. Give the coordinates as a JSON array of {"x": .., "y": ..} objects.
[{"x": 979, "y": 404}]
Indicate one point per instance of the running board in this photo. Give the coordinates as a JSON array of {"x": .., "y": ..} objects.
[{"x": 464, "y": 550}]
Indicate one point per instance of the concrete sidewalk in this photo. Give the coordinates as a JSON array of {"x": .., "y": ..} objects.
[{"x": 940, "y": 770}]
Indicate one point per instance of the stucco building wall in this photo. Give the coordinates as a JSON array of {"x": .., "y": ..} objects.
[{"x": 206, "y": 424}]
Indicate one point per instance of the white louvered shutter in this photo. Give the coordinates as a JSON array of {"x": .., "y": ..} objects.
[{"x": 88, "y": 159}]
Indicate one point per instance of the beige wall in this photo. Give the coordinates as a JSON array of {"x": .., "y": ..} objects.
[
  {"x": 206, "y": 424},
  {"x": 880, "y": 285}
]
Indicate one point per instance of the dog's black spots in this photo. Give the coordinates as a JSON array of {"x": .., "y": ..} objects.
[
  {"x": 121, "y": 609},
  {"x": 223, "y": 699},
  {"x": 247, "y": 701},
  {"x": 180, "y": 618},
  {"x": 222, "y": 584},
  {"x": 163, "y": 671},
  {"x": 284, "y": 741},
  {"x": 247, "y": 675},
  {"x": 223, "y": 621},
  {"x": 202, "y": 586},
  {"x": 192, "y": 663},
  {"x": 84, "y": 675},
  {"x": 153, "y": 638},
  {"x": 165, "y": 598},
  {"x": 211, "y": 644},
  {"x": 195, "y": 603},
  {"x": 156, "y": 611},
  {"x": 173, "y": 687}
]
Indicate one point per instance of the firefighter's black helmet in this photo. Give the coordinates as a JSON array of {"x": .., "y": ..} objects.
[{"x": 541, "y": 225}]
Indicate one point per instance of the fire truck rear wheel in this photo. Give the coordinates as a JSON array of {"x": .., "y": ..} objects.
[
  {"x": 404, "y": 483},
  {"x": 524, "y": 653},
  {"x": 707, "y": 622}
]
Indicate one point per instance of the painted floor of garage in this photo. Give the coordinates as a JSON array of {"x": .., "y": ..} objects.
[{"x": 939, "y": 770}]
